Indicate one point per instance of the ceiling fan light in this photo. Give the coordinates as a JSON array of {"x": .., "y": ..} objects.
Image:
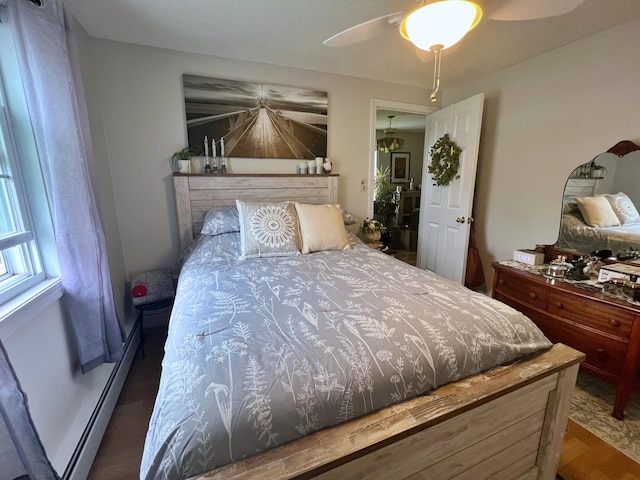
[{"x": 440, "y": 23}]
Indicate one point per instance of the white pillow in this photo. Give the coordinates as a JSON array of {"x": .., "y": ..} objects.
[
  {"x": 597, "y": 211},
  {"x": 321, "y": 228},
  {"x": 268, "y": 229},
  {"x": 624, "y": 208}
]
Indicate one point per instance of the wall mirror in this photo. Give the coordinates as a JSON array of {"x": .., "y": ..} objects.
[{"x": 600, "y": 204}]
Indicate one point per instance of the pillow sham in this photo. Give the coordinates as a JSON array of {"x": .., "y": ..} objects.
[
  {"x": 221, "y": 220},
  {"x": 321, "y": 228},
  {"x": 597, "y": 211},
  {"x": 624, "y": 208},
  {"x": 268, "y": 229}
]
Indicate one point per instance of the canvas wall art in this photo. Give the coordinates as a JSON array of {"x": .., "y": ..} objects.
[{"x": 255, "y": 120}]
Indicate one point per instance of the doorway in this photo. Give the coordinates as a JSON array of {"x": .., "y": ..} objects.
[{"x": 403, "y": 168}]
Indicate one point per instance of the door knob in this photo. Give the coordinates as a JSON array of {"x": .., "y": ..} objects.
[
  {"x": 471, "y": 220},
  {"x": 460, "y": 219}
]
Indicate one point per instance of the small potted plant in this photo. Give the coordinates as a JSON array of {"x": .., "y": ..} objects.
[
  {"x": 181, "y": 161},
  {"x": 371, "y": 230}
]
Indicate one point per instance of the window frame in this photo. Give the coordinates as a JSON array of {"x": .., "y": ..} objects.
[
  {"x": 19, "y": 249},
  {"x": 41, "y": 286}
]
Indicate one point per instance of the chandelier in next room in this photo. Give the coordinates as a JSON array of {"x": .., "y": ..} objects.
[{"x": 389, "y": 142}]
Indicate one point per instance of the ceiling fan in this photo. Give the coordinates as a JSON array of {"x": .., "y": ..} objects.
[{"x": 436, "y": 25}]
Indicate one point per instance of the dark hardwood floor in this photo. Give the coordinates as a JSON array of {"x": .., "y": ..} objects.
[
  {"x": 404, "y": 255},
  {"x": 584, "y": 456},
  {"x": 120, "y": 452}
]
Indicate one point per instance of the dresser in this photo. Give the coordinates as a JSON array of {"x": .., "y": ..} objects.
[{"x": 605, "y": 328}]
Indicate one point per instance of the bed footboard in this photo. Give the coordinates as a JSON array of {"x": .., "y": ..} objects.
[{"x": 506, "y": 423}]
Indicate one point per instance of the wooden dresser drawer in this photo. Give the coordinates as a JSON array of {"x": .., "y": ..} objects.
[
  {"x": 606, "y": 329},
  {"x": 603, "y": 317},
  {"x": 528, "y": 293},
  {"x": 603, "y": 353}
]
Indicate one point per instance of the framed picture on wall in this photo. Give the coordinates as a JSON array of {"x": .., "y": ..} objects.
[
  {"x": 400, "y": 166},
  {"x": 254, "y": 120}
]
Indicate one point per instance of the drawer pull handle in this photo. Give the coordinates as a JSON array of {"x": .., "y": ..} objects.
[
  {"x": 614, "y": 323},
  {"x": 601, "y": 353},
  {"x": 501, "y": 282},
  {"x": 559, "y": 306},
  {"x": 532, "y": 295}
]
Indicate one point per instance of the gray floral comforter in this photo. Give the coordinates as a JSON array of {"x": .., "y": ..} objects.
[{"x": 263, "y": 351}]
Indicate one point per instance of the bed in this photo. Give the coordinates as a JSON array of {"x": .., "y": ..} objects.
[
  {"x": 576, "y": 235},
  {"x": 599, "y": 222},
  {"x": 324, "y": 365}
]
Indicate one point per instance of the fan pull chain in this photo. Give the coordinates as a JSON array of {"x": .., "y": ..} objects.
[{"x": 437, "y": 59}]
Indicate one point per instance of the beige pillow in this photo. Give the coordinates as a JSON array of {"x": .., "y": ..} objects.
[
  {"x": 321, "y": 228},
  {"x": 597, "y": 211}
]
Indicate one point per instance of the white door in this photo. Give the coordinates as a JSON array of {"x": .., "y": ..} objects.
[{"x": 443, "y": 230}]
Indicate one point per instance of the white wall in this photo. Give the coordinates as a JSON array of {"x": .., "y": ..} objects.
[
  {"x": 542, "y": 118},
  {"x": 103, "y": 174},
  {"x": 142, "y": 111}
]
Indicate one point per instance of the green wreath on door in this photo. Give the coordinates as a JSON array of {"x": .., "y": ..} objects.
[{"x": 445, "y": 161}]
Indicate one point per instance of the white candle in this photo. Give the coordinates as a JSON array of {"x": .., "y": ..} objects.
[
  {"x": 213, "y": 147},
  {"x": 222, "y": 146},
  {"x": 206, "y": 146}
]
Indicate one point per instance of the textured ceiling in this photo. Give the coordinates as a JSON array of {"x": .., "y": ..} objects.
[{"x": 291, "y": 32}]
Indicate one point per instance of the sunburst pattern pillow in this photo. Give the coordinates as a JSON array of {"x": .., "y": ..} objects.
[
  {"x": 268, "y": 229},
  {"x": 624, "y": 208}
]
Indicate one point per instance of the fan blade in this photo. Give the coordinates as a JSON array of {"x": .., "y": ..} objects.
[
  {"x": 533, "y": 9},
  {"x": 364, "y": 31}
]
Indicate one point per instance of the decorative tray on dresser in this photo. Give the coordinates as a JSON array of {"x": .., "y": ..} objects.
[{"x": 605, "y": 328}]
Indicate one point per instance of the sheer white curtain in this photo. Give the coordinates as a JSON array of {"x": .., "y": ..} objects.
[
  {"x": 48, "y": 62},
  {"x": 22, "y": 456}
]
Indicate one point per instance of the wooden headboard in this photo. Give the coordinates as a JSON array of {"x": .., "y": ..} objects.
[{"x": 196, "y": 194}]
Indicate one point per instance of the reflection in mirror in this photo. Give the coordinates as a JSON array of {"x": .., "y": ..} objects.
[{"x": 600, "y": 204}]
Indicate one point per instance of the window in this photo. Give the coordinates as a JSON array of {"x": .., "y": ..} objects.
[
  {"x": 29, "y": 273},
  {"x": 20, "y": 265}
]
